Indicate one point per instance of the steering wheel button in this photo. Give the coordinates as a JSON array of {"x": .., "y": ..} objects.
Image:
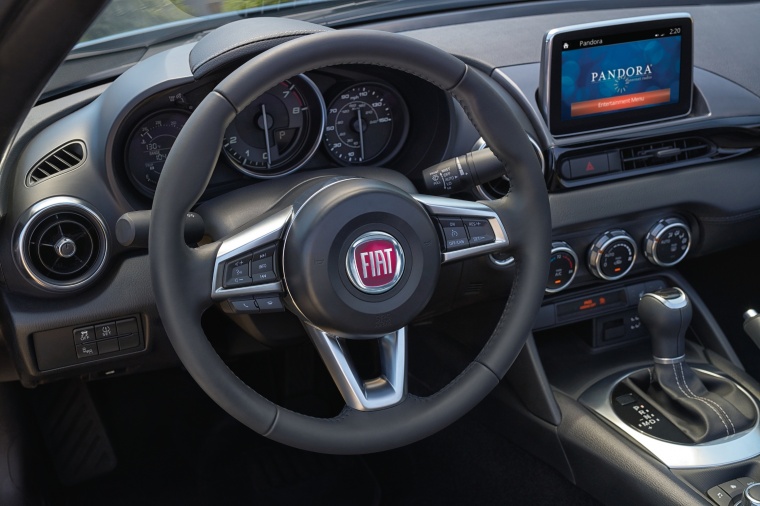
[
  {"x": 479, "y": 231},
  {"x": 269, "y": 304},
  {"x": 267, "y": 252},
  {"x": 246, "y": 306},
  {"x": 84, "y": 335},
  {"x": 263, "y": 265},
  {"x": 448, "y": 222},
  {"x": 105, "y": 330},
  {"x": 260, "y": 278}
]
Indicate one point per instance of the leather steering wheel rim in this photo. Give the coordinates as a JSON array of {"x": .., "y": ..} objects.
[{"x": 179, "y": 272}]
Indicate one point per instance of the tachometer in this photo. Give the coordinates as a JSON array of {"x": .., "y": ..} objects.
[
  {"x": 366, "y": 123},
  {"x": 149, "y": 145},
  {"x": 279, "y": 131}
]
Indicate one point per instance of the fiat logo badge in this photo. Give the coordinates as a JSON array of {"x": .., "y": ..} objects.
[{"x": 375, "y": 262}]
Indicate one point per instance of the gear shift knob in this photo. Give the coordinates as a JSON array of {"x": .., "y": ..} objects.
[{"x": 666, "y": 314}]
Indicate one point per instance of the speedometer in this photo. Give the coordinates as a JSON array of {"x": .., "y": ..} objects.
[
  {"x": 279, "y": 131},
  {"x": 366, "y": 123}
]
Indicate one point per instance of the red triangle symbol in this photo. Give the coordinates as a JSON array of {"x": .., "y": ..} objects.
[{"x": 590, "y": 167}]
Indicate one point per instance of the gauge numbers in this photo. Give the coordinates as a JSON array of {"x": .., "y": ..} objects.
[
  {"x": 149, "y": 145},
  {"x": 366, "y": 123},
  {"x": 279, "y": 131}
]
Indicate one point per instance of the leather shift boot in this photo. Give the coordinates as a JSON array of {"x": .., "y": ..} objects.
[{"x": 704, "y": 407}]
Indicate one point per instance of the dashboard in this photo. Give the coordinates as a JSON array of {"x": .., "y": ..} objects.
[
  {"x": 350, "y": 116},
  {"x": 620, "y": 197}
]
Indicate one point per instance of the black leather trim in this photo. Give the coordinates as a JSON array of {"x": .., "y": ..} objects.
[{"x": 186, "y": 173}]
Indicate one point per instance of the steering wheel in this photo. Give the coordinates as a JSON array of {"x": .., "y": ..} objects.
[{"x": 358, "y": 258}]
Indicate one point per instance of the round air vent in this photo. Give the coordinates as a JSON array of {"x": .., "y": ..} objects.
[
  {"x": 497, "y": 188},
  {"x": 61, "y": 244}
]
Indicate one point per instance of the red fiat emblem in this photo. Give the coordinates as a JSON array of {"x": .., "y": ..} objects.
[{"x": 375, "y": 262}]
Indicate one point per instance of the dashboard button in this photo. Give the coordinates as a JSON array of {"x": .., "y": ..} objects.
[
  {"x": 587, "y": 166},
  {"x": 719, "y": 496},
  {"x": 128, "y": 342},
  {"x": 86, "y": 350},
  {"x": 84, "y": 335},
  {"x": 105, "y": 330},
  {"x": 108, "y": 346},
  {"x": 263, "y": 265},
  {"x": 261, "y": 278},
  {"x": 128, "y": 326}
]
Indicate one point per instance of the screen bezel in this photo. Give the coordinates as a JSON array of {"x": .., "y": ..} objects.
[{"x": 550, "y": 89}]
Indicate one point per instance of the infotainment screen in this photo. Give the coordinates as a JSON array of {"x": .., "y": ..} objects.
[{"x": 616, "y": 73}]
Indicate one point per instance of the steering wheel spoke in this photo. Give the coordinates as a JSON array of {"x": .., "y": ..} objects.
[
  {"x": 247, "y": 268},
  {"x": 466, "y": 229},
  {"x": 388, "y": 389}
]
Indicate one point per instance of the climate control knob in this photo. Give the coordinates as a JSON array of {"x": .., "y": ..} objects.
[
  {"x": 612, "y": 255},
  {"x": 563, "y": 264},
  {"x": 668, "y": 242}
]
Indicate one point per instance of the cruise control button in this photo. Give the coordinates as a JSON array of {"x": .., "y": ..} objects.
[
  {"x": 105, "y": 330},
  {"x": 84, "y": 335},
  {"x": 479, "y": 231},
  {"x": 454, "y": 234},
  {"x": 108, "y": 346},
  {"x": 269, "y": 304},
  {"x": 86, "y": 350}
]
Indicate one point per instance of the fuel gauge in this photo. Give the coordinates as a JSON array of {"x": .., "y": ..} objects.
[{"x": 563, "y": 264}]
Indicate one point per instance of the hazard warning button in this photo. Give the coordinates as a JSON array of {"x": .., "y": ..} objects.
[{"x": 587, "y": 166}]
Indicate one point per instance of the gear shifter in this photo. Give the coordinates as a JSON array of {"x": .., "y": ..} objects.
[
  {"x": 704, "y": 407},
  {"x": 666, "y": 314}
]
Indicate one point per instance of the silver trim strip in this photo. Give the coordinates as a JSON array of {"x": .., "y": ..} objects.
[
  {"x": 29, "y": 218},
  {"x": 669, "y": 361},
  {"x": 444, "y": 206},
  {"x": 269, "y": 230},
  {"x": 728, "y": 450},
  {"x": 678, "y": 302},
  {"x": 382, "y": 392}
]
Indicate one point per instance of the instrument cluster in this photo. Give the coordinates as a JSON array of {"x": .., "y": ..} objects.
[{"x": 321, "y": 120}]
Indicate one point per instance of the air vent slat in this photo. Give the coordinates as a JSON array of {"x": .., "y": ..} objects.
[
  {"x": 65, "y": 158},
  {"x": 664, "y": 153}
]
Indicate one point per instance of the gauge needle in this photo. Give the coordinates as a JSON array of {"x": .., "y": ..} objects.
[
  {"x": 361, "y": 132},
  {"x": 266, "y": 134}
]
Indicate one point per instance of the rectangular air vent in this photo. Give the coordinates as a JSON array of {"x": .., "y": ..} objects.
[
  {"x": 67, "y": 157},
  {"x": 665, "y": 152}
]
